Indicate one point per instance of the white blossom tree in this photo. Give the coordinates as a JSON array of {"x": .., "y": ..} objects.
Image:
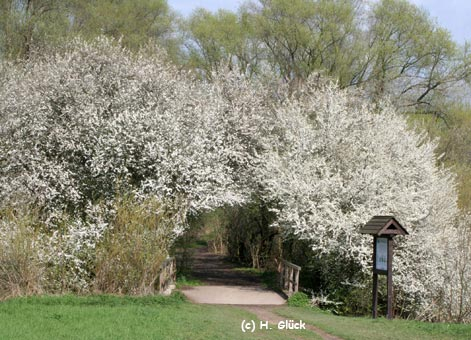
[
  {"x": 91, "y": 121},
  {"x": 342, "y": 161}
]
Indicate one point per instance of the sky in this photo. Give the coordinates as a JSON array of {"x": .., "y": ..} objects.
[{"x": 454, "y": 15}]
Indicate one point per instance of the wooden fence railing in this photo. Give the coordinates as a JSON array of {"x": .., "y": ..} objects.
[
  {"x": 167, "y": 275},
  {"x": 289, "y": 277}
]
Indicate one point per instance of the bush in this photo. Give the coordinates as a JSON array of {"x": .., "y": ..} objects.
[
  {"x": 79, "y": 125},
  {"x": 123, "y": 256},
  {"x": 21, "y": 270},
  {"x": 299, "y": 299},
  {"x": 129, "y": 258}
]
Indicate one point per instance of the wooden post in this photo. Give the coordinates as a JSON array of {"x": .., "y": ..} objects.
[
  {"x": 375, "y": 282},
  {"x": 167, "y": 275},
  {"x": 161, "y": 282},
  {"x": 296, "y": 281},
  {"x": 390, "y": 282},
  {"x": 290, "y": 280},
  {"x": 283, "y": 276},
  {"x": 173, "y": 273},
  {"x": 286, "y": 271},
  {"x": 375, "y": 295},
  {"x": 280, "y": 271}
]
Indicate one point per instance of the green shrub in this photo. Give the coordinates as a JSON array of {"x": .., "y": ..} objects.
[
  {"x": 134, "y": 247},
  {"x": 299, "y": 299}
]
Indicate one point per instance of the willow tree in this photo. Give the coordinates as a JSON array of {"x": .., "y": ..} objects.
[
  {"x": 26, "y": 24},
  {"x": 410, "y": 57},
  {"x": 219, "y": 39}
]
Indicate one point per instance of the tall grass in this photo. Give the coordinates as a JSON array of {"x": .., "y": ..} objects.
[
  {"x": 21, "y": 270},
  {"x": 75, "y": 255},
  {"x": 134, "y": 247}
]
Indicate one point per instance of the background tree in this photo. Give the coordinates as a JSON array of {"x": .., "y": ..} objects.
[
  {"x": 409, "y": 57},
  {"x": 221, "y": 39},
  {"x": 392, "y": 47},
  {"x": 134, "y": 22},
  {"x": 454, "y": 136},
  {"x": 29, "y": 24},
  {"x": 25, "y": 24},
  {"x": 303, "y": 36}
]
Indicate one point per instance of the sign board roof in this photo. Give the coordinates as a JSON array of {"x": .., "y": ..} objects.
[{"x": 383, "y": 225}]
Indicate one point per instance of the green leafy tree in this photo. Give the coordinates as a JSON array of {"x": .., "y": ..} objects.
[
  {"x": 135, "y": 22},
  {"x": 410, "y": 57},
  {"x": 454, "y": 135},
  {"x": 25, "y": 24},
  {"x": 29, "y": 24},
  {"x": 303, "y": 36},
  {"x": 219, "y": 38}
]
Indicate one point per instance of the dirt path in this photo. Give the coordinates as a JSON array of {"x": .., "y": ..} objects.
[
  {"x": 212, "y": 269},
  {"x": 222, "y": 284},
  {"x": 264, "y": 313}
]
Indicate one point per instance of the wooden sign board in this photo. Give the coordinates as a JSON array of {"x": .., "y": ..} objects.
[
  {"x": 383, "y": 229},
  {"x": 381, "y": 256}
]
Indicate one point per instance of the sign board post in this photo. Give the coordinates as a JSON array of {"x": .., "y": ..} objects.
[
  {"x": 383, "y": 229},
  {"x": 382, "y": 265}
]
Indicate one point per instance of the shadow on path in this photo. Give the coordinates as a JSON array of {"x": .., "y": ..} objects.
[
  {"x": 213, "y": 269},
  {"x": 223, "y": 284}
]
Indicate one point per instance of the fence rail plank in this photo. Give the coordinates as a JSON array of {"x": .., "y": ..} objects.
[{"x": 288, "y": 277}]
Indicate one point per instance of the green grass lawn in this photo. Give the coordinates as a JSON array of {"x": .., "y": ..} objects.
[
  {"x": 158, "y": 317},
  {"x": 356, "y": 328},
  {"x": 111, "y": 317},
  {"x": 187, "y": 281}
]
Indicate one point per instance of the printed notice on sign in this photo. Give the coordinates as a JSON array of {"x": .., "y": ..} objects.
[{"x": 381, "y": 253}]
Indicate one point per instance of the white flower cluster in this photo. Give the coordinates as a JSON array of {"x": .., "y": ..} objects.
[{"x": 82, "y": 124}]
